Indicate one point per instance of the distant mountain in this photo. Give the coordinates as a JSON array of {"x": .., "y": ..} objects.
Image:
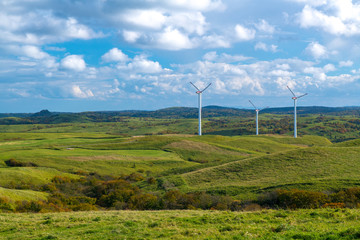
[
  {"x": 42, "y": 113},
  {"x": 47, "y": 117}
]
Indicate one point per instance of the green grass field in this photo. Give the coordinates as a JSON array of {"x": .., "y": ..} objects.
[
  {"x": 239, "y": 166},
  {"x": 266, "y": 224},
  {"x": 243, "y": 167}
]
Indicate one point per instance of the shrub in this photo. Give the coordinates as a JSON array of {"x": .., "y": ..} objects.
[
  {"x": 350, "y": 197},
  {"x": 294, "y": 199},
  {"x": 12, "y": 162},
  {"x": 144, "y": 202}
]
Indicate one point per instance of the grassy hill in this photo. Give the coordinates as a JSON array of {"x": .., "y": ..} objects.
[{"x": 239, "y": 166}]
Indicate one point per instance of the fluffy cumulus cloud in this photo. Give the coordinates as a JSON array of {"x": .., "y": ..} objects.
[
  {"x": 243, "y": 33},
  {"x": 337, "y": 17},
  {"x": 170, "y": 25},
  {"x": 77, "y": 92},
  {"x": 153, "y": 19},
  {"x": 115, "y": 55},
  {"x": 265, "y": 27},
  {"x": 74, "y": 63},
  {"x": 143, "y": 65},
  {"x": 317, "y": 50},
  {"x": 42, "y": 27},
  {"x": 173, "y": 39}
]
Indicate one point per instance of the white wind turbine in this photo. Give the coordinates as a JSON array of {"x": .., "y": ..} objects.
[
  {"x": 199, "y": 92},
  {"x": 257, "y": 110},
  {"x": 295, "y": 98}
]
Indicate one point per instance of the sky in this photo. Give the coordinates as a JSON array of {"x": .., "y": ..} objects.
[{"x": 103, "y": 55}]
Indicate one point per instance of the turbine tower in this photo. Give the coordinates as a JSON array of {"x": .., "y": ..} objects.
[
  {"x": 295, "y": 98},
  {"x": 257, "y": 110},
  {"x": 199, "y": 92}
]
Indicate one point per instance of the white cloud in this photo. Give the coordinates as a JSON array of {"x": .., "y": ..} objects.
[
  {"x": 265, "y": 47},
  {"x": 73, "y": 62},
  {"x": 227, "y": 58},
  {"x": 311, "y": 2},
  {"x": 243, "y": 33},
  {"x": 338, "y": 17},
  {"x": 265, "y": 27},
  {"x": 316, "y": 50},
  {"x": 34, "y": 52},
  {"x": 77, "y": 92},
  {"x": 115, "y": 55},
  {"x": 329, "y": 68},
  {"x": 346, "y": 63},
  {"x": 35, "y": 57},
  {"x": 215, "y": 41},
  {"x": 39, "y": 27},
  {"x": 198, "y": 5},
  {"x": 188, "y": 21},
  {"x": 143, "y": 65},
  {"x": 145, "y": 18},
  {"x": 78, "y": 31},
  {"x": 131, "y": 36},
  {"x": 173, "y": 39}
]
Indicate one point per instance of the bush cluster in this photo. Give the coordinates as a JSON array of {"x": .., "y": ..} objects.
[
  {"x": 93, "y": 192},
  {"x": 295, "y": 199},
  {"x": 12, "y": 162}
]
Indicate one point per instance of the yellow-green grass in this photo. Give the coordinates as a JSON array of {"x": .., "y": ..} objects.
[
  {"x": 306, "y": 140},
  {"x": 242, "y": 166},
  {"x": 249, "y": 144},
  {"x": 22, "y": 141},
  {"x": 132, "y": 126},
  {"x": 104, "y": 162},
  {"x": 350, "y": 143},
  {"x": 22, "y": 195},
  {"x": 266, "y": 224},
  {"x": 23, "y": 176},
  {"x": 319, "y": 168}
]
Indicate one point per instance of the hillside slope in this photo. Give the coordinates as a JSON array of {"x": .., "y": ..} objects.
[{"x": 240, "y": 166}]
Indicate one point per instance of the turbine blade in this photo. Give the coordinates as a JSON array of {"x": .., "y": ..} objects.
[
  {"x": 291, "y": 91},
  {"x": 206, "y": 87},
  {"x": 253, "y": 105},
  {"x": 302, "y": 95},
  {"x": 194, "y": 86}
]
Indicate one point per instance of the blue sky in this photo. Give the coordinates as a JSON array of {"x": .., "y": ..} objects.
[{"x": 92, "y": 55}]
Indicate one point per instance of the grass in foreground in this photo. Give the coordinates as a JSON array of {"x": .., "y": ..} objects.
[{"x": 268, "y": 224}]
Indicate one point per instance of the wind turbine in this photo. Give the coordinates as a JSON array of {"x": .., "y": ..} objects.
[
  {"x": 295, "y": 98},
  {"x": 257, "y": 110},
  {"x": 199, "y": 92}
]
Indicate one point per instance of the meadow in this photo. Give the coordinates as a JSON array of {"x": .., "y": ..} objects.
[
  {"x": 189, "y": 224},
  {"x": 154, "y": 164}
]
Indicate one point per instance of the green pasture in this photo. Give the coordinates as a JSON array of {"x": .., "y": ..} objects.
[
  {"x": 25, "y": 176},
  {"x": 316, "y": 168},
  {"x": 22, "y": 195},
  {"x": 240, "y": 166},
  {"x": 265, "y": 224}
]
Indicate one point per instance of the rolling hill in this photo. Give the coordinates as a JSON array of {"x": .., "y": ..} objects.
[{"x": 238, "y": 166}]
